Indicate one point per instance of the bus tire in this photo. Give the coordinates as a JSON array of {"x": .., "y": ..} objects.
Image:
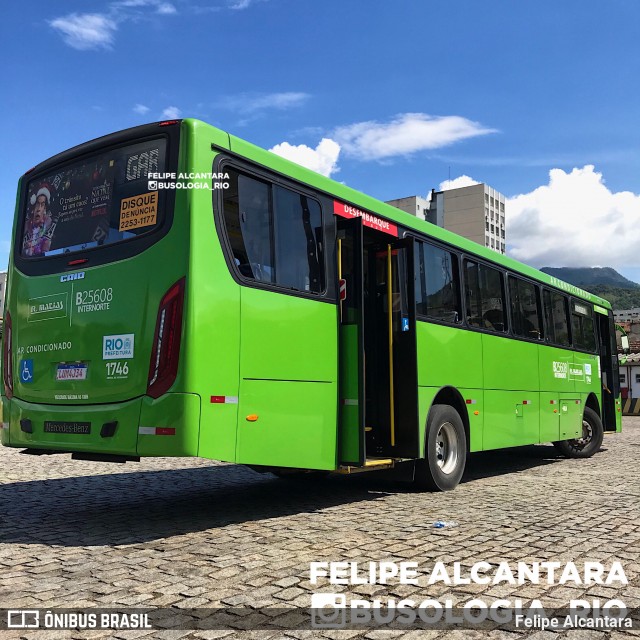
[
  {"x": 445, "y": 451},
  {"x": 591, "y": 441}
]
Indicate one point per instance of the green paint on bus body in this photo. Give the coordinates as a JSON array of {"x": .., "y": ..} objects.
[
  {"x": 271, "y": 356},
  {"x": 349, "y": 445}
]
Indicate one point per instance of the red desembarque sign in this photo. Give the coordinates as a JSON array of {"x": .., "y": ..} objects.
[{"x": 368, "y": 219}]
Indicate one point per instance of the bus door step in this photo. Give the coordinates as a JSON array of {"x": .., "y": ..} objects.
[{"x": 370, "y": 464}]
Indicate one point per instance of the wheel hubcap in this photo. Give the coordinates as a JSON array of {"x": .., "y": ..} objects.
[
  {"x": 447, "y": 448},
  {"x": 587, "y": 435}
]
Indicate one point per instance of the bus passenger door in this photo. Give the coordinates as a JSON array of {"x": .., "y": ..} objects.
[
  {"x": 351, "y": 394},
  {"x": 378, "y": 379},
  {"x": 391, "y": 367},
  {"x": 610, "y": 380}
]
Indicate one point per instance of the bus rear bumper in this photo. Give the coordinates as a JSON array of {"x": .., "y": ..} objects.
[{"x": 167, "y": 426}]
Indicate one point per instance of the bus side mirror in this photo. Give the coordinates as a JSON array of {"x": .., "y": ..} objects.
[{"x": 624, "y": 341}]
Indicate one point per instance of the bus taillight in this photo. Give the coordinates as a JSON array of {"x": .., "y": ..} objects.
[
  {"x": 7, "y": 354},
  {"x": 165, "y": 356}
]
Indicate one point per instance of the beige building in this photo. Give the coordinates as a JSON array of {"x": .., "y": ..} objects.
[{"x": 475, "y": 212}]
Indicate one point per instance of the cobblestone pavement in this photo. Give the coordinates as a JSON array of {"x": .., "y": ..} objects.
[{"x": 184, "y": 534}]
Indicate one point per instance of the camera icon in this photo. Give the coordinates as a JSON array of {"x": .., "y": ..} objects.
[
  {"x": 153, "y": 185},
  {"x": 328, "y": 611}
]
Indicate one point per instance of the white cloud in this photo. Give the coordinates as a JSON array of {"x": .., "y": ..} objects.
[
  {"x": 574, "y": 221},
  {"x": 238, "y": 5},
  {"x": 252, "y": 102},
  {"x": 141, "y": 109},
  {"x": 86, "y": 30},
  {"x": 171, "y": 113},
  {"x": 200, "y": 9},
  {"x": 96, "y": 30},
  {"x": 457, "y": 183},
  {"x": 406, "y": 134},
  {"x": 285, "y": 100},
  {"x": 133, "y": 3},
  {"x": 323, "y": 159},
  {"x": 165, "y": 8}
]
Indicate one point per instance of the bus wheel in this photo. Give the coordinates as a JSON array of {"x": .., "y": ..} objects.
[
  {"x": 589, "y": 443},
  {"x": 445, "y": 451}
]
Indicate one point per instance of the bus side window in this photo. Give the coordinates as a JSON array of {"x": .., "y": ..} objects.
[
  {"x": 275, "y": 233},
  {"x": 420, "y": 279},
  {"x": 247, "y": 222},
  {"x": 254, "y": 223},
  {"x": 582, "y": 326},
  {"x": 298, "y": 240},
  {"x": 485, "y": 297},
  {"x": 493, "y": 299},
  {"x": 525, "y": 308},
  {"x": 556, "y": 315},
  {"x": 441, "y": 284},
  {"x": 472, "y": 294}
]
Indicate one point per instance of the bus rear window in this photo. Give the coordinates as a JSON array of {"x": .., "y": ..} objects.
[{"x": 100, "y": 200}]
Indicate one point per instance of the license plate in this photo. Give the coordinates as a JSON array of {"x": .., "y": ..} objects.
[
  {"x": 72, "y": 372},
  {"x": 80, "y": 428}
]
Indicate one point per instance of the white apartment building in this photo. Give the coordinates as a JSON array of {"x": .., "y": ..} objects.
[
  {"x": 630, "y": 377},
  {"x": 415, "y": 205},
  {"x": 476, "y": 212},
  {"x": 627, "y": 315}
]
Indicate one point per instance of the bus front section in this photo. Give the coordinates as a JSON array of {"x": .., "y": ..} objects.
[{"x": 95, "y": 303}]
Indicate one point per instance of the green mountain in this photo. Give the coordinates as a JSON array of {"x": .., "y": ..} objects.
[
  {"x": 603, "y": 281},
  {"x": 581, "y": 276}
]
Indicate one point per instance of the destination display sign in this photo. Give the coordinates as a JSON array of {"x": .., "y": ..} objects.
[{"x": 368, "y": 219}]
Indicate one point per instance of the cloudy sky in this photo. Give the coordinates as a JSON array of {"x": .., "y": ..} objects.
[{"x": 536, "y": 98}]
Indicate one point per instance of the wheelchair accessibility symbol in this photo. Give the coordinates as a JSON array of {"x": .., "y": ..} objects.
[{"x": 26, "y": 371}]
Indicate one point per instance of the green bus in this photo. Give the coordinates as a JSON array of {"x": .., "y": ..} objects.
[{"x": 176, "y": 291}]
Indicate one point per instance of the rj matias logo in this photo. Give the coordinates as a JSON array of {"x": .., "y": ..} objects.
[{"x": 47, "y": 307}]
